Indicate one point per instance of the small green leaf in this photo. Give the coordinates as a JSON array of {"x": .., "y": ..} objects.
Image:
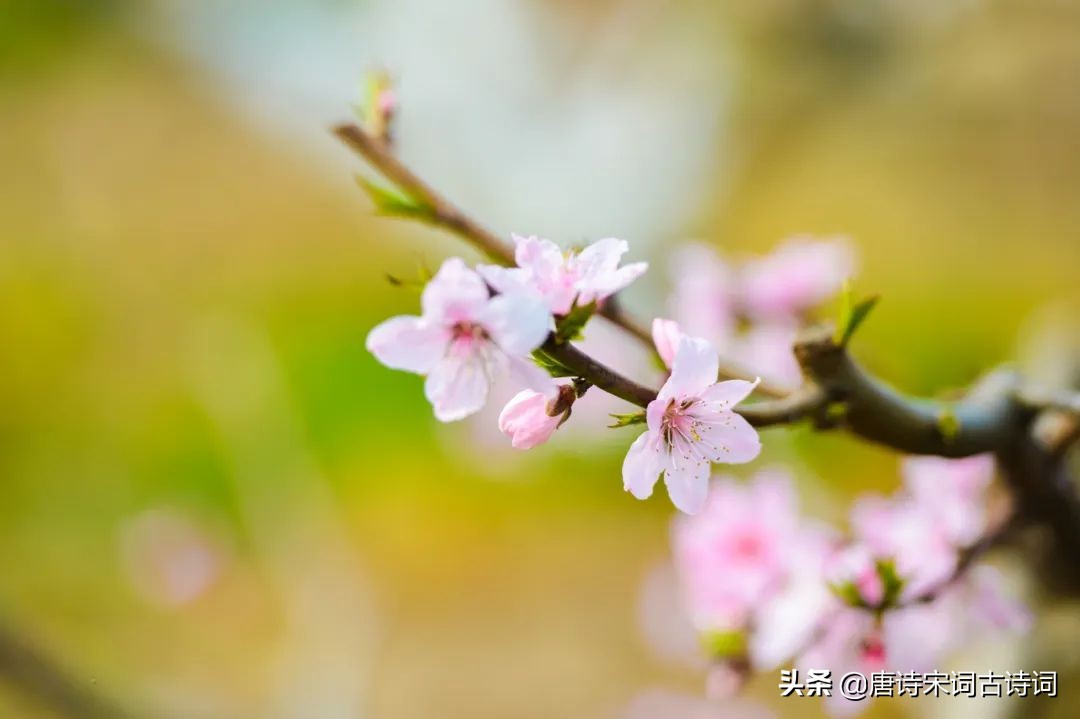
[
  {"x": 625, "y": 420},
  {"x": 892, "y": 581},
  {"x": 948, "y": 425},
  {"x": 848, "y": 593},
  {"x": 836, "y": 412},
  {"x": 852, "y": 314},
  {"x": 423, "y": 276},
  {"x": 392, "y": 203},
  {"x": 554, "y": 367},
  {"x": 571, "y": 326},
  {"x": 724, "y": 644}
]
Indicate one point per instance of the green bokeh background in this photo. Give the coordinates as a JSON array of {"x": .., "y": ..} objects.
[{"x": 183, "y": 304}]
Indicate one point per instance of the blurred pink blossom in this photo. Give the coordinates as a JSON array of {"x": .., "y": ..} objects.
[
  {"x": 767, "y": 349},
  {"x": 564, "y": 279},
  {"x": 691, "y": 424},
  {"x": 735, "y": 553},
  {"x": 903, "y": 531},
  {"x": 796, "y": 277},
  {"x": 704, "y": 301},
  {"x": 464, "y": 338},
  {"x": 170, "y": 559},
  {"x": 856, "y": 566},
  {"x": 953, "y": 491}
]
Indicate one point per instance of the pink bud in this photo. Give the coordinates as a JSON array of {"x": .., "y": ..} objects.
[
  {"x": 666, "y": 335},
  {"x": 526, "y": 421}
]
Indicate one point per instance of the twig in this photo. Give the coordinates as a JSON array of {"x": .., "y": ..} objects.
[
  {"x": 448, "y": 216},
  {"x": 986, "y": 420},
  {"x": 32, "y": 672}
]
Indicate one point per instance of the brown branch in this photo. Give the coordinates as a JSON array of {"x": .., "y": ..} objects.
[
  {"x": 986, "y": 420},
  {"x": 448, "y": 216},
  {"x": 29, "y": 670}
]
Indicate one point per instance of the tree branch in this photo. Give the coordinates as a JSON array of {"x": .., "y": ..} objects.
[
  {"x": 984, "y": 421},
  {"x": 836, "y": 390},
  {"x": 448, "y": 216},
  {"x": 36, "y": 675}
]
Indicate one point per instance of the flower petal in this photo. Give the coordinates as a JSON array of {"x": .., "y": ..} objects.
[
  {"x": 518, "y": 323},
  {"x": 505, "y": 279},
  {"x": 601, "y": 257},
  {"x": 665, "y": 336},
  {"x": 458, "y": 385},
  {"x": 694, "y": 369},
  {"x": 525, "y": 373},
  {"x": 722, "y": 396},
  {"x": 687, "y": 480},
  {"x": 543, "y": 257},
  {"x": 408, "y": 343},
  {"x": 609, "y": 283},
  {"x": 454, "y": 294},
  {"x": 642, "y": 466},
  {"x": 730, "y": 440}
]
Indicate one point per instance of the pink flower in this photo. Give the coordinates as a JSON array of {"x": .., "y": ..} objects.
[
  {"x": 527, "y": 418},
  {"x": 903, "y": 531},
  {"x": 564, "y": 279},
  {"x": 170, "y": 559},
  {"x": 769, "y": 349},
  {"x": 953, "y": 491},
  {"x": 705, "y": 300},
  {"x": 666, "y": 335},
  {"x": 690, "y": 425},
  {"x": 463, "y": 339},
  {"x": 799, "y": 275},
  {"x": 736, "y": 552},
  {"x": 857, "y": 567}
]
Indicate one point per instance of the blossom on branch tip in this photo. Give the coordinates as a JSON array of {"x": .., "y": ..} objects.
[
  {"x": 691, "y": 424},
  {"x": 463, "y": 339},
  {"x": 565, "y": 279}
]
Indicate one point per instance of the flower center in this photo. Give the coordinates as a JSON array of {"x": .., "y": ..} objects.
[
  {"x": 466, "y": 335},
  {"x": 678, "y": 423}
]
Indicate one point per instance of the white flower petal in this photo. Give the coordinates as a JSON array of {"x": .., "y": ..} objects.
[
  {"x": 687, "y": 480},
  {"x": 505, "y": 279},
  {"x": 601, "y": 257},
  {"x": 694, "y": 369},
  {"x": 458, "y": 385},
  {"x": 722, "y": 396},
  {"x": 454, "y": 294},
  {"x": 730, "y": 440},
  {"x": 642, "y": 466},
  {"x": 525, "y": 373},
  {"x": 518, "y": 323},
  {"x": 408, "y": 343}
]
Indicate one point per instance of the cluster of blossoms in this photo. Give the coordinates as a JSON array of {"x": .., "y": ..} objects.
[
  {"x": 765, "y": 588},
  {"x": 753, "y": 310},
  {"x": 477, "y": 325},
  {"x": 761, "y": 585}
]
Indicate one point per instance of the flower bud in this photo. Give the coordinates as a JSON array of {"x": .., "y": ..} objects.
[{"x": 530, "y": 418}]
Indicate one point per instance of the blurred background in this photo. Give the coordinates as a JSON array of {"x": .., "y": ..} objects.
[{"x": 214, "y": 503}]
